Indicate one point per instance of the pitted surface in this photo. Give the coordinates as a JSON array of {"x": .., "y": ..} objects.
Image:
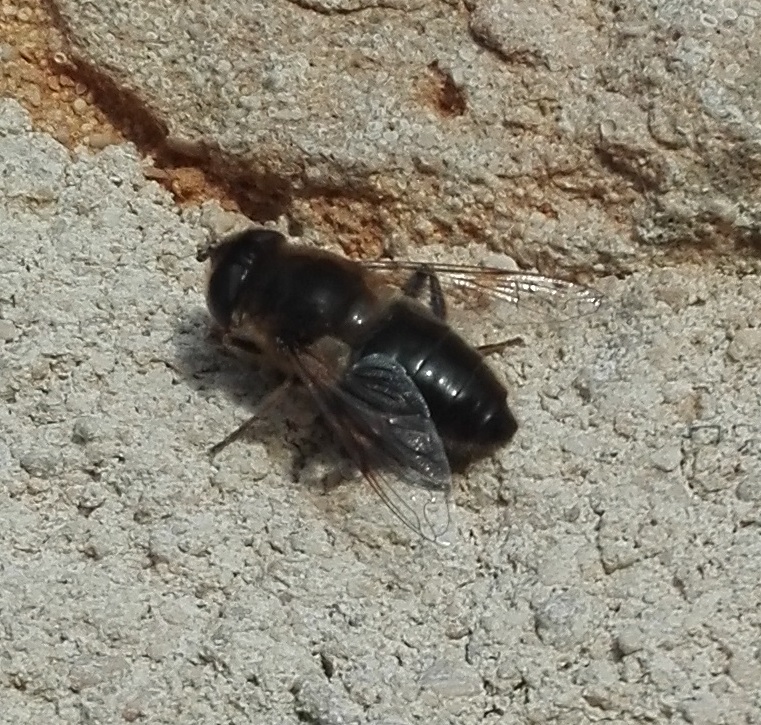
[
  {"x": 604, "y": 566},
  {"x": 501, "y": 121}
]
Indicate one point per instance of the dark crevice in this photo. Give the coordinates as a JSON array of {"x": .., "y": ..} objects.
[
  {"x": 352, "y": 209},
  {"x": 260, "y": 194},
  {"x": 450, "y": 98},
  {"x": 629, "y": 168},
  {"x": 327, "y": 666},
  {"x": 314, "y": 7},
  {"x": 304, "y": 716}
]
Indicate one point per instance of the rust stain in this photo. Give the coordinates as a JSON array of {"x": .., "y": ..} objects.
[
  {"x": 58, "y": 104},
  {"x": 352, "y": 222},
  {"x": 75, "y": 108},
  {"x": 440, "y": 91}
]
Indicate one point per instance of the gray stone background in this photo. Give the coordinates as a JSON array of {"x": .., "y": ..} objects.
[
  {"x": 605, "y": 566},
  {"x": 571, "y": 133}
]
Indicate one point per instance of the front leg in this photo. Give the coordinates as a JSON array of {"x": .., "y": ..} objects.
[
  {"x": 242, "y": 345},
  {"x": 264, "y": 407}
]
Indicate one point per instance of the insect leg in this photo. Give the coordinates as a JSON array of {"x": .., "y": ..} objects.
[
  {"x": 268, "y": 402},
  {"x": 414, "y": 286},
  {"x": 242, "y": 344},
  {"x": 491, "y": 347}
]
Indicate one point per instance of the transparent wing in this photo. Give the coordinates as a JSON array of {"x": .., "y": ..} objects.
[
  {"x": 382, "y": 421},
  {"x": 499, "y": 291}
]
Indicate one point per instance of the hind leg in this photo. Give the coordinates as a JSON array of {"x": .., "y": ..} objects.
[
  {"x": 422, "y": 276},
  {"x": 489, "y": 348}
]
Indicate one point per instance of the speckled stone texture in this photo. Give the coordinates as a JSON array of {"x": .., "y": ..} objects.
[
  {"x": 603, "y": 567},
  {"x": 570, "y": 133}
]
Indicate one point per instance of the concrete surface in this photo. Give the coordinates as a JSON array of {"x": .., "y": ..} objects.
[
  {"x": 605, "y": 566},
  {"x": 508, "y": 122}
]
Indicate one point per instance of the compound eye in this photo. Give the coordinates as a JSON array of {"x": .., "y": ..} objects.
[
  {"x": 225, "y": 285},
  {"x": 232, "y": 263}
]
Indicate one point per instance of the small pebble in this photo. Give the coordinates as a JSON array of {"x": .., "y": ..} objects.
[
  {"x": 84, "y": 430},
  {"x": 630, "y": 640},
  {"x": 746, "y": 345},
  {"x": 563, "y": 620},
  {"x": 39, "y": 464},
  {"x": 667, "y": 458},
  {"x": 448, "y": 679},
  {"x": 34, "y": 96},
  {"x": 101, "y": 140},
  {"x": 8, "y": 330},
  {"x": 749, "y": 489},
  {"x": 703, "y": 709}
]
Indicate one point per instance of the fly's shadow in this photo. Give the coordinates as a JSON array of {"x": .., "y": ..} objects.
[
  {"x": 203, "y": 362},
  {"x": 216, "y": 373},
  {"x": 316, "y": 461}
]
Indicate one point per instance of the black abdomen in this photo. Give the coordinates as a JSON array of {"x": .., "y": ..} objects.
[{"x": 467, "y": 403}]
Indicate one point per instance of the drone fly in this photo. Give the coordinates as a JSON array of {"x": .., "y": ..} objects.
[{"x": 405, "y": 395}]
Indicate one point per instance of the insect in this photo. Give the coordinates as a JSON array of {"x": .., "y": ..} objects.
[{"x": 403, "y": 393}]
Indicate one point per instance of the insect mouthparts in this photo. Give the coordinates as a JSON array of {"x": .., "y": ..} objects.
[{"x": 204, "y": 252}]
